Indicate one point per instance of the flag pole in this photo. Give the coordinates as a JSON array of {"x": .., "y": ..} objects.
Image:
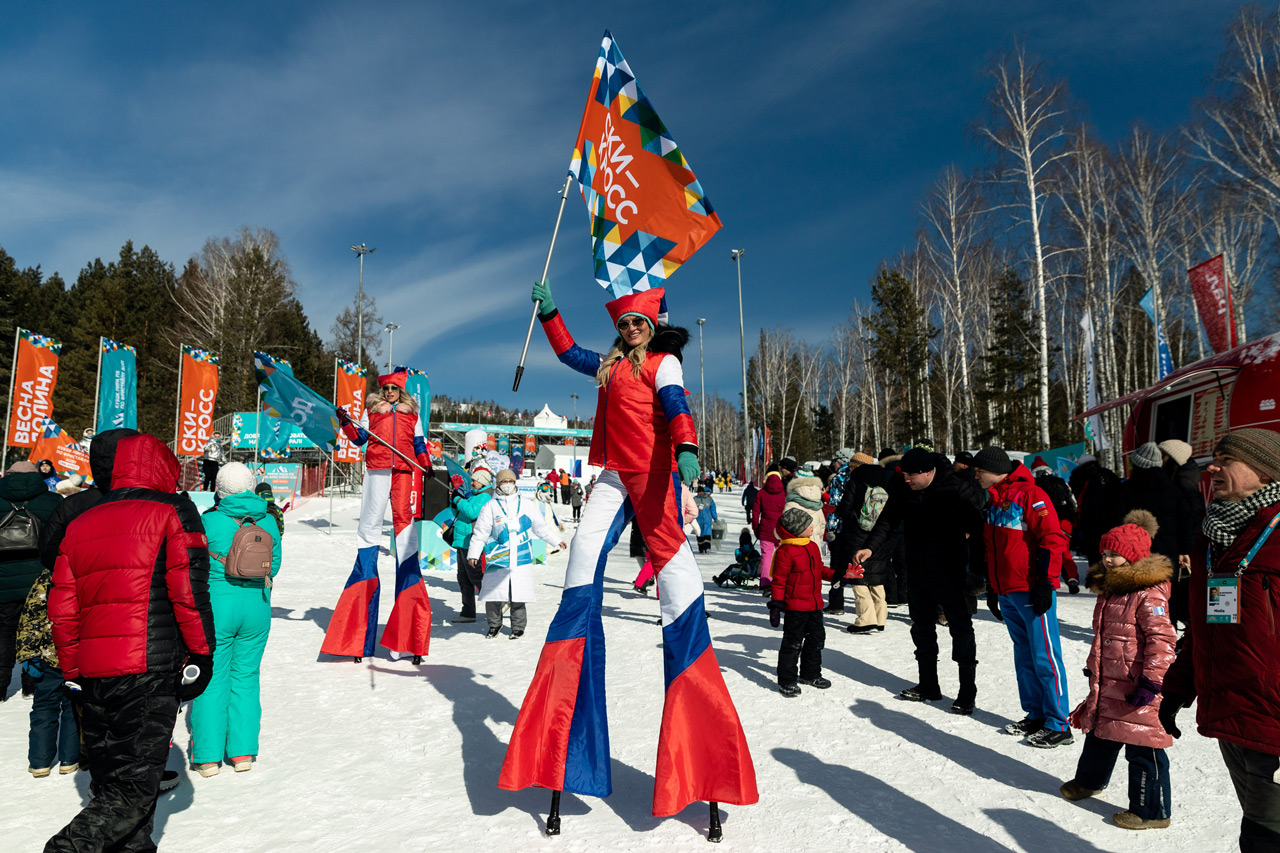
[
  {"x": 177, "y": 415},
  {"x": 257, "y": 436},
  {"x": 333, "y": 460},
  {"x": 8, "y": 419},
  {"x": 533, "y": 318},
  {"x": 97, "y": 386}
]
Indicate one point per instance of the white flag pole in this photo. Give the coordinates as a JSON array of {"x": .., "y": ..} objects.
[
  {"x": 97, "y": 386},
  {"x": 8, "y": 419},
  {"x": 177, "y": 417}
]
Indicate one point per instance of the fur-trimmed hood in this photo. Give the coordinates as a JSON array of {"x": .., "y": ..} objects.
[
  {"x": 666, "y": 339},
  {"x": 1131, "y": 577}
]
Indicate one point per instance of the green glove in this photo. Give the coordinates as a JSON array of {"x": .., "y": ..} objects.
[
  {"x": 687, "y": 465},
  {"x": 542, "y": 293}
]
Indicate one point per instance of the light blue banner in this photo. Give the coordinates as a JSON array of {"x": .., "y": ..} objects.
[
  {"x": 419, "y": 387},
  {"x": 117, "y": 387},
  {"x": 1162, "y": 346},
  {"x": 285, "y": 397}
]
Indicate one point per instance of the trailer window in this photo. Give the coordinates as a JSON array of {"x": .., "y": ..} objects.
[{"x": 1173, "y": 419}]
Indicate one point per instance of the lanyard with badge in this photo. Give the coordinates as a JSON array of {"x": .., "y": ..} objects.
[{"x": 1223, "y": 601}]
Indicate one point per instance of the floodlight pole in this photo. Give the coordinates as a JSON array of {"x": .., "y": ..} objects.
[
  {"x": 736, "y": 256},
  {"x": 360, "y": 250}
]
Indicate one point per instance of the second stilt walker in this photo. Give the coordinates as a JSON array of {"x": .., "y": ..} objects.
[
  {"x": 644, "y": 435},
  {"x": 391, "y": 432}
]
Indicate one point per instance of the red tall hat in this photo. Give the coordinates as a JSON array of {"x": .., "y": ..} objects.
[
  {"x": 646, "y": 303},
  {"x": 399, "y": 378}
]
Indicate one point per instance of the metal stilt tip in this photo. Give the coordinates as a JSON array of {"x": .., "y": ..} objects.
[
  {"x": 519, "y": 373},
  {"x": 357, "y": 660},
  {"x": 553, "y": 819},
  {"x": 714, "y": 833},
  {"x": 417, "y": 660}
]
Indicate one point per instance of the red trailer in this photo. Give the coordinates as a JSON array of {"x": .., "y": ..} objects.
[{"x": 1203, "y": 401}]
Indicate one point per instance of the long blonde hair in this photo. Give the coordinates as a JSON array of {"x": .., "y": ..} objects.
[
  {"x": 636, "y": 355},
  {"x": 405, "y": 397}
]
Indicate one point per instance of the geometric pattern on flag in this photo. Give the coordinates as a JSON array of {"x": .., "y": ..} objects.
[
  {"x": 41, "y": 341},
  {"x": 198, "y": 354},
  {"x": 654, "y": 240},
  {"x": 109, "y": 345}
]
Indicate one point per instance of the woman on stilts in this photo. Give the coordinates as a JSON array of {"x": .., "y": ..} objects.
[
  {"x": 392, "y": 431},
  {"x": 643, "y": 436}
]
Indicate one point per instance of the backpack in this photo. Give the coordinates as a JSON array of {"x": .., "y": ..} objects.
[
  {"x": 19, "y": 530},
  {"x": 250, "y": 553},
  {"x": 872, "y": 505}
]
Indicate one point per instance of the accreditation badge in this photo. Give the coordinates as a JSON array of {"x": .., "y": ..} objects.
[{"x": 1224, "y": 599}]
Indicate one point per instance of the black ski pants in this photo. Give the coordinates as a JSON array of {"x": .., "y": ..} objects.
[
  {"x": 927, "y": 593},
  {"x": 209, "y": 470},
  {"x": 840, "y": 556},
  {"x": 126, "y": 722},
  {"x": 9, "y": 613},
  {"x": 803, "y": 637},
  {"x": 469, "y": 581}
]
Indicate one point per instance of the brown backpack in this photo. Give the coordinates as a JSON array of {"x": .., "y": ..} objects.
[{"x": 250, "y": 553}]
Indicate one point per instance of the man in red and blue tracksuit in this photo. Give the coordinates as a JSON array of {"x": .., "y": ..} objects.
[{"x": 1024, "y": 546}]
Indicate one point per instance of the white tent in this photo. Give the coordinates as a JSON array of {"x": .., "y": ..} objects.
[{"x": 548, "y": 418}]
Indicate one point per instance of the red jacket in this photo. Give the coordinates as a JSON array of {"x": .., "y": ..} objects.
[
  {"x": 400, "y": 428},
  {"x": 643, "y": 421},
  {"x": 798, "y": 574},
  {"x": 1231, "y": 670},
  {"x": 1020, "y": 523},
  {"x": 131, "y": 583},
  {"x": 770, "y": 503}
]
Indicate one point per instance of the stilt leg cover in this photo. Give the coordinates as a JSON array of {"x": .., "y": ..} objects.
[
  {"x": 702, "y": 750},
  {"x": 354, "y": 626},
  {"x": 561, "y": 736},
  {"x": 408, "y": 628}
]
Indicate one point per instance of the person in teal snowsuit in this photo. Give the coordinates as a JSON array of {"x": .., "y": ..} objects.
[
  {"x": 466, "y": 511},
  {"x": 225, "y": 719}
]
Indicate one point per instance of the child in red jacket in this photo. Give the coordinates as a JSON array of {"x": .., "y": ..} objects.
[{"x": 798, "y": 574}]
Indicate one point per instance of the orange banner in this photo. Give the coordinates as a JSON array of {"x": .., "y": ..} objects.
[
  {"x": 352, "y": 383},
  {"x": 34, "y": 375},
  {"x": 196, "y": 399},
  {"x": 60, "y": 449},
  {"x": 530, "y": 446}
]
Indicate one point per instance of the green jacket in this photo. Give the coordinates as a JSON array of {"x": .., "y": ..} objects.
[
  {"x": 466, "y": 511},
  {"x": 221, "y": 524},
  {"x": 18, "y": 571},
  {"x": 35, "y": 631}
]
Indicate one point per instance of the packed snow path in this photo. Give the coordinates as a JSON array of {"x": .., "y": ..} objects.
[{"x": 392, "y": 757}]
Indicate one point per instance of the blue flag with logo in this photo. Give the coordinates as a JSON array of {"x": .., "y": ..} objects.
[
  {"x": 418, "y": 386},
  {"x": 117, "y": 386},
  {"x": 284, "y": 397},
  {"x": 1162, "y": 346}
]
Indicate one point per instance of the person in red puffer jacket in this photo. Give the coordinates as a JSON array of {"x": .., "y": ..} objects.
[
  {"x": 1226, "y": 663},
  {"x": 797, "y": 592},
  {"x": 129, "y": 608},
  {"x": 766, "y": 512}
]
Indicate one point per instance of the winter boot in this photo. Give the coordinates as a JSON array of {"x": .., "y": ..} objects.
[
  {"x": 207, "y": 770},
  {"x": 493, "y": 632},
  {"x": 968, "y": 689},
  {"x": 1129, "y": 820},
  {"x": 788, "y": 690},
  {"x": 41, "y": 772},
  {"x": 819, "y": 683},
  {"x": 1024, "y": 727},
  {"x": 1074, "y": 791},
  {"x": 64, "y": 769},
  {"x": 864, "y": 629},
  {"x": 516, "y": 634},
  {"x": 242, "y": 763},
  {"x": 417, "y": 660},
  {"x": 927, "y": 690},
  {"x": 1049, "y": 739}
]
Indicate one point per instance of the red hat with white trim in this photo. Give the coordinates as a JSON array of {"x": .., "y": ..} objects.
[{"x": 644, "y": 303}]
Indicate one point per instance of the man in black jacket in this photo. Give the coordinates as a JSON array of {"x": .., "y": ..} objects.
[{"x": 941, "y": 514}]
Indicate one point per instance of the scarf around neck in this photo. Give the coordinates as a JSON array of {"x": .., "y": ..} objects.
[{"x": 1224, "y": 521}]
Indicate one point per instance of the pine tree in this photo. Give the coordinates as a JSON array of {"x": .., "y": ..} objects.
[
  {"x": 1008, "y": 378},
  {"x": 900, "y": 332}
]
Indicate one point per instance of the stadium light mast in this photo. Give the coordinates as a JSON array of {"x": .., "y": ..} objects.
[
  {"x": 360, "y": 250},
  {"x": 736, "y": 256}
]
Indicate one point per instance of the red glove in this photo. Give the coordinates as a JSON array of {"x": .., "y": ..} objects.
[
  {"x": 456, "y": 482},
  {"x": 343, "y": 418},
  {"x": 855, "y": 572}
]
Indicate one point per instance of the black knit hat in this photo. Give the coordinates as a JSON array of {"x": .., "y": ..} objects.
[
  {"x": 993, "y": 459},
  {"x": 964, "y": 457},
  {"x": 886, "y": 452},
  {"x": 917, "y": 460}
]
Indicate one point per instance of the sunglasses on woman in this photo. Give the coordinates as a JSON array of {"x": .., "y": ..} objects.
[{"x": 632, "y": 322}]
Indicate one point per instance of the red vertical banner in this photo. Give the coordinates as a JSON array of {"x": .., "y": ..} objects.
[
  {"x": 1213, "y": 300},
  {"x": 35, "y": 373},
  {"x": 352, "y": 382},
  {"x": 768, "y": 446},
  {"x": 196, "y": 399},
  {"x": 530, "y": 447},
  {"x": 60, "y": 449}
]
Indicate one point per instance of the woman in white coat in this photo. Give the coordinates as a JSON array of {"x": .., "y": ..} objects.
[{"x": 506, "y": 526}]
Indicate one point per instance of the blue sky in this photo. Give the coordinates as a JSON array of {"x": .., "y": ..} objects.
[{"x": 440, "y": 133}]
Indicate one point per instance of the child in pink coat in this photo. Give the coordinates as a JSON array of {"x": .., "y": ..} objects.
[{"x": 1133, "y": 646}]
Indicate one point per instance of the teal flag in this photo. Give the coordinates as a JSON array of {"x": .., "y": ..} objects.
[
  {"x": 284, "y": 397},
  {"x": 419, "y": 387},
  {"x": 117, "y": 386}
]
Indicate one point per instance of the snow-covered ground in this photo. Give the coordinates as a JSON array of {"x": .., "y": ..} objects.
[{"x": 387, "y": 756}]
